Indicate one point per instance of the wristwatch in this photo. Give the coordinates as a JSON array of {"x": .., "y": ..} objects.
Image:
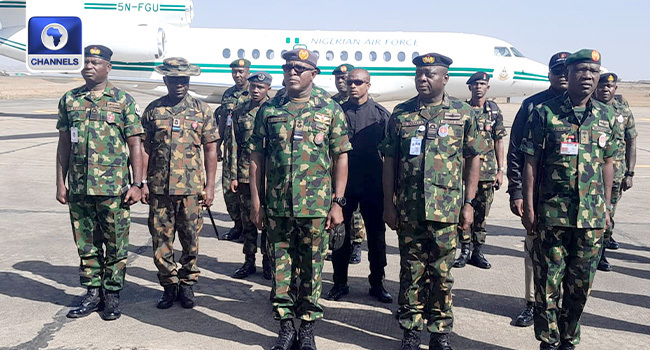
[
  {"x": 629, "y": 173},
  {"x": 340, "y": 201},
  {"x": 138, "y": 184},
  {"x": 145, "y": 181},
  {"x": 473, "y": 202}
]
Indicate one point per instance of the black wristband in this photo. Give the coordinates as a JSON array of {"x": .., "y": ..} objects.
[{"x": 629, "y": 173}]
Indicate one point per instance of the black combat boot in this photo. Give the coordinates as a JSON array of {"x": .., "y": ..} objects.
[
  {"x": 111, "y": 306},
  {"x": 247, "y": 269},
  {"x": 525, "y": 318},
  {"x": 603, "y": 264},
  {"x": 306, "y": 339},
  {"x": 411, "y": 340},
  {"x": 547, "y": 346},
  {"x": 186, "y": 296},
  {"x": 337, "y": 292},
  {"x": 566, "y": 345},
  {"x": 439, "y": 341},
  {"x": 380, "y": 293},
  {"x": 478, "y": 259},
  {"x": 286, "y": 336},
  {"x": 89, "y": 304},
  {"x": 234, "y": 233},
  {"x": 355, "y": 256},
  {"x": 464, "y": 256},
  {"x": 612, "y": 244},
  {"x": 266, "y": 268},
  {"x": 168, "y": 297}
]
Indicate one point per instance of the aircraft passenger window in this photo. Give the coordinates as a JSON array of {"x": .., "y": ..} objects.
[
  {"x": 282, "y": 53},
  {"x": 414, "y": 55},
  {"x": 516, "y": 52},
  {"x": 270, "y": 54},
  {"x": 401, "y": 56},
  {"x": 256, "y": 54},
  {"x": 226, "y": 53},
  {"x": 329, "y": 55},
  {"x": 501, "y": 51},
  {"x": 358, "y": 55},
  {"x": 386, "y": 56},
  {"x": 344, "y": 55},
  {"x": 241, "y": 53},
  {"x": 317, "y": 53},
  {"x": 373, "y": 56}
]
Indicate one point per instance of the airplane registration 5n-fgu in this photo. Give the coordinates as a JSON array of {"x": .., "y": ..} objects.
[{"x": 142, "y": 34}]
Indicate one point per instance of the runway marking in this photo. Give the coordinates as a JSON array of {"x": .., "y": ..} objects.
[
  {"x": 643, "y": 166},
  {"x": 43, "y": 111},
  {"x": 644, "y": 119}
]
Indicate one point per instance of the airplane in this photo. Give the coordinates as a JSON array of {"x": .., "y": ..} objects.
[{"x": 150, "y": 31}]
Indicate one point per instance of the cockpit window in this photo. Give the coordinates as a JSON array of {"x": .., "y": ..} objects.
[
  {"x": 502, "y": 51},
  {"x": 516, "y": 52}
]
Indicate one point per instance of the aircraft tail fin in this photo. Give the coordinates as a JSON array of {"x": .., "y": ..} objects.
[{"x": 12, "y": 13}]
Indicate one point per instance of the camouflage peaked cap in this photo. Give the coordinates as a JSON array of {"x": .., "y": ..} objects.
[{"x": 178, "y": 67}]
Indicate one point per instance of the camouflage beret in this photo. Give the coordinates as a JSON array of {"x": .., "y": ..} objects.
[
  {"x": 432, "y": 59},
  {"x": 478, "y": 76},
  {"x": 99, "y": 51},
  {"x": 240, "y": 62},
  {"x": 608, "y": 77},
  {"x": 343, "y": 69},
  {"x": 177, "y": 67},
  {"x": 302, "y": 55},
  {"x": 558, "y": 59},
  {"x": 584, "y": 55},
  {"x": 261, "y": 77}
]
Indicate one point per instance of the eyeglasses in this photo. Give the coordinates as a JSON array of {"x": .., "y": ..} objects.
[
  {"x": 559, "y": 70},
  {"x": 298, "y": 69},
  {"x": 357, "y": 82}
]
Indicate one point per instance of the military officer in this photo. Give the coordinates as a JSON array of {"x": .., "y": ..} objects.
[
  {"x": 490, "y": 126},
  {"x": 570, "y": 144},
  {"x": 242, "y": 127},
  {"x": 558, "y": 80},
  {"x": 624, "y": 159},
  {"x": 232, "y": 97},
  {"x": 427, "y": 138},
  {"x": 99, "y": 137},
  {"x": 176, "y": 126},
  {"x": 341, "y": 82},
  {"x": 300, "y": 140}
]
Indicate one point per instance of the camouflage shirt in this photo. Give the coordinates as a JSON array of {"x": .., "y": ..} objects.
[
  {"x": 243, "y": 120},
  {"x": 489, "y": 122},
  {"x": 571, "y": 154},
  {"x": 298, "y": 141},
  {"x": 625, "y": 121},
  {"x": 223, "y": 114},
  {"x": 429, "y": 144},
  {"x": 99, "y": 127},
  {"x": 173, "y": 139}
]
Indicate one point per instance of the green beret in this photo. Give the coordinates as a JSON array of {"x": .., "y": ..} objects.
[
  {"x": 478, "y": 76},
  {"x": 177, "y": 67},
  {"x": 584, "y": 55},
  {"x": 608, "y": 77},
  {"x": 241, "y": 62},
  {"x": 432, "y": 59},
  {"x": 343, "y": 69},
  {"x": 99, "y": 51}
]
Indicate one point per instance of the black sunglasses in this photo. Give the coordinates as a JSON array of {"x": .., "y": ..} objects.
[
  {"x": 299, "y": 69},
  {"x": 559, "y": 70},
  {"x": 357, "y": 82}
]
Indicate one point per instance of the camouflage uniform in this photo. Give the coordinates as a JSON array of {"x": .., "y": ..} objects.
[
  {"x": 174, "y": 135},
  {"x": 429, "y": 199},
  {"x": 230, "y": 100},
  {"x": 341, "y": 98},
  {"x": 490, "y": 125},
  {"x": 625, "y": 121},
  {"x": 570, "y": 208},
  {"x": 98, "y": 177},
  {"x": 297, "y": 141}
]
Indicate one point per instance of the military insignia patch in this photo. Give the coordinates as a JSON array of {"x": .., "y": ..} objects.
[
  {"x": 276, "y": 119},
  {"x": 260, "y": 77},
  {"x": 241, "y": 63},
  {"x": 595, "y": 55},
  {"x": 303, "y": 54},
  {"x": 488, "y": 127},
  {"x": 110, "y": 117},
  {"x": 195, "y": 125},
  {"x": 95, "y": 51},
  {"x": 602, "y": 140},
  {"x": 344, "y": 69},
  {"x": 428, "y": 59},
  {"x": 620, "y": 118},
  {"x": 443, "y": 131},
  {"x": 321, "y": 118},
  {"x": 610, "y": 78},
  {"x": 319, "y": 138},
  {"x": 603, "y": 123},
  {"x": 421, "y": 128},
  {"x": 452, "y": 116}
]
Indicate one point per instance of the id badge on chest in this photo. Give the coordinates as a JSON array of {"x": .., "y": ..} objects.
[
  {"x": 416, "y": 146},
  {"x": 176, "y": 125},
  {"x": 569, "y": 148},
  {"x": 74, "y": 134},
  {"x": 229, "y": 120}
]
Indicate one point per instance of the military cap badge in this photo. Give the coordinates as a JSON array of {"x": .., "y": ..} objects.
[
  {"x": 260, "y": 77},
  {"x": 344, "y": 69},
  {"x": 241, "y": 63},
  {"x": 428, "y": 59},
  {"x": 595, "y": 55},
  {"x": 95, "y": 51},
  {"x": 610, "y": 78},
  {"x": 303, "y": 54},
  {"x": 563, "y": 55}
]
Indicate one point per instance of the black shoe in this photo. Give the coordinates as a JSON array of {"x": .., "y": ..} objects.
[
  {"x": 89, "y": 304},
  {"x": 566, "y": 346},
  {"x": 439, "y": 341},
  {"x": 603, "y": 264},
  {"x": 355, "y": 257},
  {"x": 411, "y": 340},
  {"x": 328, "y": 256},
  {"x": 245, "y": 270},
  {"x": 478, "y": 259},
  {"x": 266, "y": 269},
  {"x": 286, "y": 336},
  {"x": 111, "y": 306},
  {"x": 381, "y": 294},
  {"x": 186, "y": 296},
  {"x": 306, "y": 339},
  {"x": 168, "y": 297},
  {"x": 612, "y": 244},
  {"x": 547, "y": 346},
  {"x": 525, "y": 318},
  {"x": 464, "y": 256},
  {"x": 337, "y": 292},
  {"x": 234, "y": 233}
]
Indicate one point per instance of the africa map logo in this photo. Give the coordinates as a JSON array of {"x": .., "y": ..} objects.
[{"x": 54, "y": 44}]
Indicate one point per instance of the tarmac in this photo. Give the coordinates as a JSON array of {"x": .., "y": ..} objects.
[{"x": 39, "y": 271}]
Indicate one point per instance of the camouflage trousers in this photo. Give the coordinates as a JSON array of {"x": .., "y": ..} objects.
[
  {"x": 358, "y": 227},
  {"x": 250, "y": 231},
  {"x": 298, "y": 251},
  {"x": 564, "y": 257},
  {"x": 617, "y": 193},
  {"x": 100, "y": 225},
  {"x": 477, "y": 233},
  {"x": 231, "y": 199},
  {"x": 168, "y": 215},
  {"x": 427, "y": 251}
]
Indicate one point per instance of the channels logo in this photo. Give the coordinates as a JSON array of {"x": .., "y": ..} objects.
[{"x": 54, "y": 44}]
